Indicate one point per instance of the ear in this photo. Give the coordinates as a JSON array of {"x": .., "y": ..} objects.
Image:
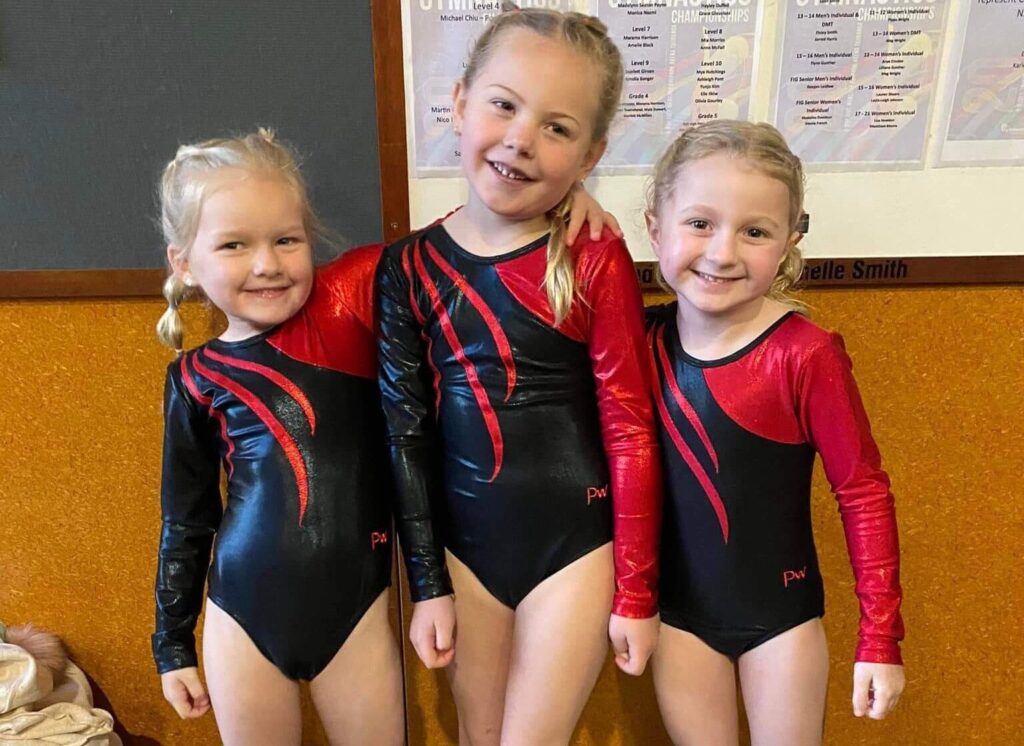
[
  {"x": 458, "y": 106},
  {"x": 796, "y": 238},
  {"x": 592, "y": 158},
  {"x": 177, "y": 260},
  {"x": 653, "y": 231}
]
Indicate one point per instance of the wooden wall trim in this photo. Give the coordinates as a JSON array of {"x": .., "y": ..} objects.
[
  {"x": 869, "y": 272},
  {"x": 389, "y": 76},
  {"x": 819, "y": 273}
]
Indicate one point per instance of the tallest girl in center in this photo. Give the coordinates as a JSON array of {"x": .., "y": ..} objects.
[{"x": 513, "y": 377}]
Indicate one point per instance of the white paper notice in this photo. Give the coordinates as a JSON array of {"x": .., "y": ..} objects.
[
  {"x": 442, "y": 33},
  {"x": 857, "y": 78},
  {"x": 986, "y": 118},
  {"x": 685, "y": 62}
]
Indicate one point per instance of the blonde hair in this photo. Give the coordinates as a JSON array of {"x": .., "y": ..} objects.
[
  {"x": 185, "y": 185},
  {"x": 766, "y": 150},
  {"x": 589, "y": 37}
]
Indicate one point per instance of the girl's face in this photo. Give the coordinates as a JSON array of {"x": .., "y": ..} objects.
[
  {"x": 723, "y": 234},
  {"x": 526, "y": 125},
  {"x": 251, "y": 255}
]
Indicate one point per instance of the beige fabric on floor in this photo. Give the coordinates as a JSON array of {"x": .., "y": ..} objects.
[{"x": 32, "y": 711}]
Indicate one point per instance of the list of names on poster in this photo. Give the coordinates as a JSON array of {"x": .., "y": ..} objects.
[
  {"x": 986, "y": 119},
  {"x": 684, "y": 62},
  {"x": 856, "y": 78}
]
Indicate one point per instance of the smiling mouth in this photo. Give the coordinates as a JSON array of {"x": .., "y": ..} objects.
[
  {"x": 508, "y": 172},
  {"x": 714, "y": 279},
  {"x": 267, "y": 292}
]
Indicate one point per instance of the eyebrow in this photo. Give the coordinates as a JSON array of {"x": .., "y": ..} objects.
[
  {"x": 242, "y": 231},
  {"x": 553, "y": 114}
]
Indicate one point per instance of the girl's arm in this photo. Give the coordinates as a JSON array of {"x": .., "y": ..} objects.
[
  {"x": 833, "y": 417},
  {"x": 608, "y": 282},
  {"x": 585, "y": 209},
  {"x": 191, "y": 507},
  {"x": 407, "y": 397}
]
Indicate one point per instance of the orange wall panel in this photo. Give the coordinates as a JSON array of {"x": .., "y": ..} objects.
[{"x": 942, "y": 374}]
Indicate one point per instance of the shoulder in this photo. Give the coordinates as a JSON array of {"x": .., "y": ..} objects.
[
  {"x": 659, "y": 315},
  {"x": 810, "y": 346},
  {"x": 606, "y": 257},
  {"x": 355, "y": 265}
]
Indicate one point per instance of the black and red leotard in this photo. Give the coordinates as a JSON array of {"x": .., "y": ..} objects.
[
  {"x": 293, "y": 415},
  {"x": 739, "y": 437},
  {"x": 517, "y": 445}
]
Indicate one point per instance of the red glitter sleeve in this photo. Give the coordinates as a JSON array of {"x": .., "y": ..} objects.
[
  {"x": 832, "y": 415},
  {"x": 608, "y": 283}
]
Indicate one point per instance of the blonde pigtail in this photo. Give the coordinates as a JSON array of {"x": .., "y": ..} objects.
[
  {"x": 560, "y": 274},
  {"x": 170, "y": 328}
]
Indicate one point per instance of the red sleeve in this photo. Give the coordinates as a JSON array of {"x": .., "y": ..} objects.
[
  {"x": 607, "y": 281},
  {"x": 833, "y": 417}
]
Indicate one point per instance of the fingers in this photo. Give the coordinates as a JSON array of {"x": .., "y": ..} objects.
[
  {"x": 861, "y": 689},
  {"x": 185, "y": 692},
  {"x": 576, "y": 220},
  {"x": 607, "y": 220},
  {"x": 432, "y": 632},
  {"x": 876, "y": 688},
  {"x": 633, "y": 641}
]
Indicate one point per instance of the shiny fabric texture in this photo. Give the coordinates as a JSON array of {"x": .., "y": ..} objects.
[
  {"x": 739, "y": 436},
  {"x": 293, "y": 418},
  {"x": 517, "y": 445}
]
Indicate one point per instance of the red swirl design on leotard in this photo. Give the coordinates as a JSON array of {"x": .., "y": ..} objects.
[
  {"x": 288, "y": 386},
  {"x": 280, "y": 433},
  {"x": 479, "y": 393},
  {"x": 217, "y": 415},
  {"x": 656, "y": 339}
]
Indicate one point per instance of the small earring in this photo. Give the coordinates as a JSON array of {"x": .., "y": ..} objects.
[{"x": 189, "y": 282}]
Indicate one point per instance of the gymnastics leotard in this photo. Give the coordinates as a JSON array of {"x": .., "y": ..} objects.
[
  {"x": 293, "y": 414},
  {"x": 516, "y": 444},
  {"x": 739, "y": 437}
]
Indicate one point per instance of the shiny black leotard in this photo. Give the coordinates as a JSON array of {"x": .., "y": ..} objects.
[
  {"x": 739, "y": 437},
  {"x": 518, "y": 446},
  {"x": 293, "y": 416}
]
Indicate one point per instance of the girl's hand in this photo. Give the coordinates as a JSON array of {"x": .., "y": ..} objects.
[
  {"x": 186, "y": 693},
  {"x": 585, "y": 209},
  {"x": 432, "y": 631},
  {"x": 876, "y": 688},
  {"x": 633, "y": 641}
]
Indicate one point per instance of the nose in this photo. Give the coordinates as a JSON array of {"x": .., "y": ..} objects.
[
  {"x": 266, "y": 261},
  {"x": 721, "y": 249},
  {"x": 520, "y": 136}
]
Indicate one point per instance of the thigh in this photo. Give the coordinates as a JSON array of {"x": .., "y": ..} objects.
[
  {"x": 483, "y": 643},
  {"x": 359, "y": 694},
  {"x": 559, "y": 646},
  {"x": 696, "y": 690},
  {"x": 252, "y": 700},
  {"x": 784, "y": 683}
]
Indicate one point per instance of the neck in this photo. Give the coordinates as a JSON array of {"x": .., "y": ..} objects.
[
  {"x": 481, "y": 231},
  {"x": 708, "y": 336}
]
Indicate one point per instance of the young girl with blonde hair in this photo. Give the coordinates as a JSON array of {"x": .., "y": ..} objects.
[
  {"x": 747, "y": 391},
  {"x": 514, "y": 383}
]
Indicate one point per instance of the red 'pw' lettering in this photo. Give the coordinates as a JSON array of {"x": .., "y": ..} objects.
[
  {"x": 378, "y": 537},
  {"x": 596, "y": 493},
  {"x": 788, "y": 575}
]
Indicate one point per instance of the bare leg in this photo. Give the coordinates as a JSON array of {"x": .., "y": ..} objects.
[
  {"x": 559, "y": 646},
  {"x": 252, "y": 700},
  {"x": 784, "y": 685},
  {"x": 359, "y": 694},
  {"x": 483, "y": 646},
  {"x": 696, "y": 688}
]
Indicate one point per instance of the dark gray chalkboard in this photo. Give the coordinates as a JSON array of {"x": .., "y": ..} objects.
[{"x": 96, "y": 95}]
